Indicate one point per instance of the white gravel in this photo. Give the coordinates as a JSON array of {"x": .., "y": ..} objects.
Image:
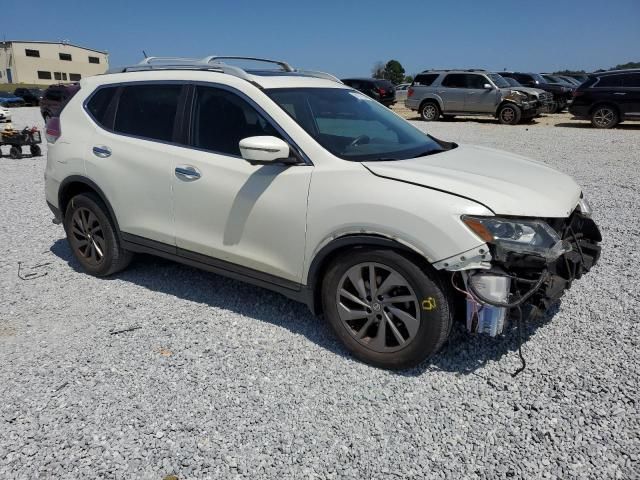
[{"x": 225, "y": 380}]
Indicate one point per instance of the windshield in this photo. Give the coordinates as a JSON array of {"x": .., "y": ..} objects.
[
  {"x": 538, "y": 78},
  {"x": 512, "y": 81},
  {"x": 353, "y": 126},
  {"x": 498, "y": 80}
]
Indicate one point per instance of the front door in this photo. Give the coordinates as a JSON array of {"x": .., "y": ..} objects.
[
  {"x": 252, "y": 216},
  {"x": 480, "y": 99}
]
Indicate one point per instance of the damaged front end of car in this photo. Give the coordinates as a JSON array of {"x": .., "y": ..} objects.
[{"x": 526, "y": 262}]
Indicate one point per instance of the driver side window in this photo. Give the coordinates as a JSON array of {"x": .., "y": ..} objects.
[{"x": 221, "y": 119}]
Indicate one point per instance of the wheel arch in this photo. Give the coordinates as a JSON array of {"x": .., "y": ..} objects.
[
  {"x": 432, "y": 99},
  {"x": 76, "y": 184},
  {"x": 336, "y": 247},
  {"x": 603, "y": 103}
]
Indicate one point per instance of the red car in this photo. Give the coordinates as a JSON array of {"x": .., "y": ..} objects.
[{"x": 55, "y": 97}]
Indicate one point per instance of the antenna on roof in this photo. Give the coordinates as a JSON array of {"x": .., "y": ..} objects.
[{"x": 145, "y": 54}]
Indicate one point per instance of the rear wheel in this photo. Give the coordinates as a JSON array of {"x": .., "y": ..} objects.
[
  {"x": 35, "y": 150},
  {"x": 509, "y": 114},
  {"x": 15, "y": 152},
  {"x": 92, "y": 236},
  {"x": 429, "y": 111},
  {"x": 604, "y": 116},
  {"x": 387, "y": 310}
]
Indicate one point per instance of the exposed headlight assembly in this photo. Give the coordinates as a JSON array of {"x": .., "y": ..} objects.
[{"x": 533, "y": 237}]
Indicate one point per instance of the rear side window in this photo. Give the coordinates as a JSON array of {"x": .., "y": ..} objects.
[
  {"x": 610, "y": 81},
  {"x": 148, "y": 111},
  {"x": 425, "y": 79},
  {"x": 455, "y": 80},
  {"x": 221, "y": 119},
  {"x": 99, "y": 104},
  {"x": 632, "y": 80}
]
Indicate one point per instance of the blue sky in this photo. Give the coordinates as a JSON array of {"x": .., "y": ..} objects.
[{"x": 343, "y": 37}]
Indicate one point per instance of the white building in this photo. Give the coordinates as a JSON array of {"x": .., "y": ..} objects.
[{"x": 46, "y": 63}]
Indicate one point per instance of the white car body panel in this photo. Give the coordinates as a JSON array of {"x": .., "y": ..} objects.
[{"x": 275, "y": 218}]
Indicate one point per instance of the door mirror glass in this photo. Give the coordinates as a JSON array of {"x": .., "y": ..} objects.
[
  {"x": 488, "y": 86},
  {"x": 265, "y": 149}
]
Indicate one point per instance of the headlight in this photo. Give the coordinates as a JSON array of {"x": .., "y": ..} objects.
[
  {"x": 532, "y": 237},
  {"x": 584, "y": 207}
]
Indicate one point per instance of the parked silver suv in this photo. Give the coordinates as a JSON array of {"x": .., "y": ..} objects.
[{"x": 448, "y": 93}]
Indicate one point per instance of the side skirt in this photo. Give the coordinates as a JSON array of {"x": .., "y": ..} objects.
[{"x": 295, "y": 291}]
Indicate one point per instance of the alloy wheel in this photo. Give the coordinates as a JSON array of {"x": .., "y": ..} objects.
[
  {"x": 603, "y": 117},
  {"x": 378, "y": 307},
  {"x": 87, "y": 237},
  {"x": 429, "y": 112},
  {"x": 507, "y": 115}
]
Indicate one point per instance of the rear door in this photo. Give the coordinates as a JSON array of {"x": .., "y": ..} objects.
[
  {"x": 631, "y": 85},
  {"x": 132, "y": 156},
  {"x": 453, "y": 91}
]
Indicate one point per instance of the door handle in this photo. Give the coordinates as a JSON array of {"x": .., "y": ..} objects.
[
  {"x": 619, "y": 93},
  {"x": 187, "y": 172},
  {"x": 102, "y": 151}
]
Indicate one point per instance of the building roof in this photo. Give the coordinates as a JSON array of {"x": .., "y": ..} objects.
[{"x": 54, "y": 43}]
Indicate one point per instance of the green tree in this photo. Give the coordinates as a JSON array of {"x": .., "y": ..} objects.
[
  {"x": 408, "y": 79},
  {"x": 627, "y": 66},
  {"x": 394, "y": 71},
  {"x": 378, "y": 70}
]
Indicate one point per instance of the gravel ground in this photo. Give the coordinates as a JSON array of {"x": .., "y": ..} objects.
[{"x": 225, "y": 380}]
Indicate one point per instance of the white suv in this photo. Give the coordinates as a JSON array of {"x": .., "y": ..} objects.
[{"x": 292, "y": 181}]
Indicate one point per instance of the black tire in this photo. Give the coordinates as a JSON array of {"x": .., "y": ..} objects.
[
  {"x": 431, "y": 310},
  {"x": 509, "y": 114},
  {"x": 605, "y": 116},
  {"x": 15, "y": 153},
  {"x": 429, "y": 111},
  {"x": 108, "y": 256},
  {"x": 35, "y": 150}
]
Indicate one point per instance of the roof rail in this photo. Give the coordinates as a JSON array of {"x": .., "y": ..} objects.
[{"x": 215, "y": 63}]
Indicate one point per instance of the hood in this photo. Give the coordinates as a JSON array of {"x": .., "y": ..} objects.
[
  {"x": 532, "y": 91},
  {"x": 507, "y": 183}
]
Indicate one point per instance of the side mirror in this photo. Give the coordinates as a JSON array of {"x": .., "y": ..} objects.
[
  {"x": 488, "y": 86},
  {"x": 264, "y": 150}
]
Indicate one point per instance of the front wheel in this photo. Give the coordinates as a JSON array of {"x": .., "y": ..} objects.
[
  {"x": 509, "y": 114},
  {"x": 15, "y": 152},
  {"x": 429, "y": 111},
  {"x": 387, "y": 310},
  {"x": 92, "y": 236},
  {"x": 35, "y": 150},
  {"x": 604, "y": 117}
]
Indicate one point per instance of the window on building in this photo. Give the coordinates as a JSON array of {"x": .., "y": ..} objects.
[
  {"x": 57, "y": 75},
  {"x": 148, "y": 111},
  {"x": 44, "y": 75},
  {"x": 94, "y": 60},
  {"x": 75, "y": 77},
  {"x": 65, "y": 56},
  {"x": 32, "y": 53},
  {"x": 64, "y": 76}
]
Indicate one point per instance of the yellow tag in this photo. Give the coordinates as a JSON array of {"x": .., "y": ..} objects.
[{"x": 429, "y": 303}]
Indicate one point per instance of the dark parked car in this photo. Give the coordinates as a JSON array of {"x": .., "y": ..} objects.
[
  {"x": 10, "y": 100},
  {"x": 31, "y": 96},
  {"x": 561, "y": 93},
  {"x": 55, "y": 97},
  {"x": 608, "y": 98},
  {"x": 381, "y": 90}
]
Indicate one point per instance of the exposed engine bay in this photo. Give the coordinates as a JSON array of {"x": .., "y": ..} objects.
[{"x": 532, "y": 262}]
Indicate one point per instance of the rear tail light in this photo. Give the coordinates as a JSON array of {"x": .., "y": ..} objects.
[
  {"x": 381, "y": 91},
  {"x": 410, "y": 92},
  {"x": 577, "y": 93},
  {"x": 53, "y": 130}
]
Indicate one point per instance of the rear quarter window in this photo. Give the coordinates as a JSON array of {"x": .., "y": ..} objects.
[
  {"x": 610, "y": 81},
  {"x": 98, "y": 105},
  {"x": 425, "y": 80}
]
